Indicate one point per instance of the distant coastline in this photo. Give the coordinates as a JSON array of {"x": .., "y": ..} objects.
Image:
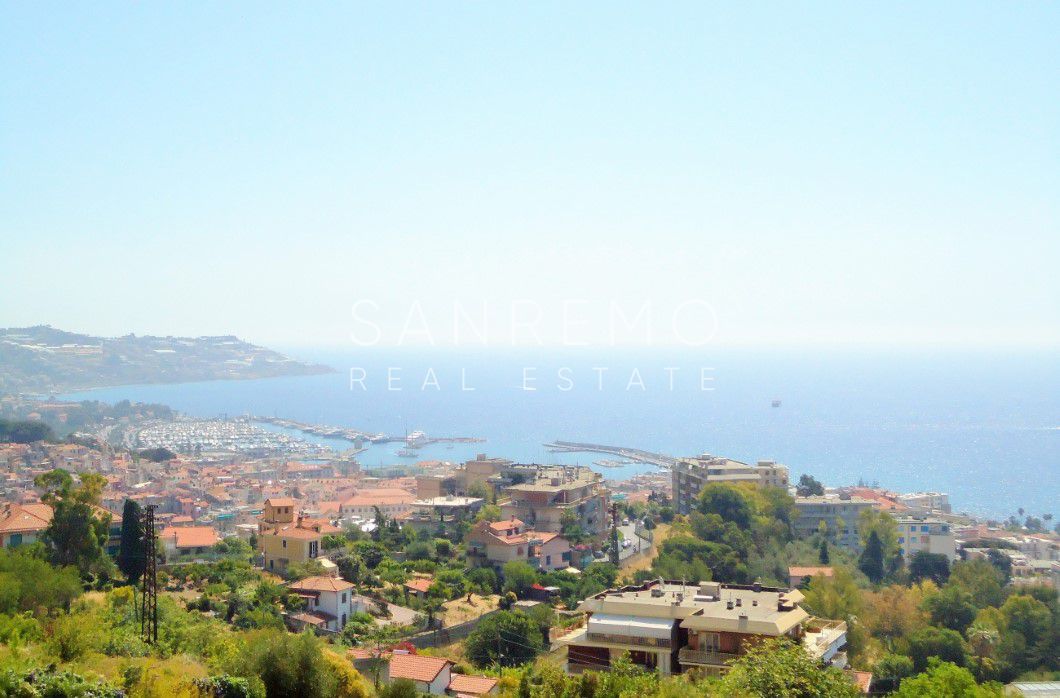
[{"x": 42, "y": 360}]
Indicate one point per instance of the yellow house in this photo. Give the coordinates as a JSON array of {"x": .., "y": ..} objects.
[{"x": 284, "y": 537}]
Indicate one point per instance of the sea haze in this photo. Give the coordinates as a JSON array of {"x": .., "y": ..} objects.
[{"x": 983, "y": 426}]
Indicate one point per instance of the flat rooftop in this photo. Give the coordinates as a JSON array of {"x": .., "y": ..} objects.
[
  {"x": 448, "y": 501},
  {"x": 705, "y": 606}
]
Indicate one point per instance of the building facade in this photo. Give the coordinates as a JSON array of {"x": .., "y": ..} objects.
[
  {"x": 839, "y": 514},
  {"x": 690, "y": 475},
  {"x": 671, "y": 627},
  {"x": 329, "y": 600},
  {"x": 928, "y": 535},
  {"x": 497, "y": 543},
  {"x": 548, "y": 496}
]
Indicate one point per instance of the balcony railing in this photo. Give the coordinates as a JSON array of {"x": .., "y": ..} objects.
[
  {"x": 687, "y": 655},
  {"x": 628, "y": 640}
]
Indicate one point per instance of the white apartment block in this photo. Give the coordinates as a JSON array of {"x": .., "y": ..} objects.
[
  {"x": 690, "y": 475},
  {"x": 929, "y": 535},
  {"x": 926, "y": 502}
]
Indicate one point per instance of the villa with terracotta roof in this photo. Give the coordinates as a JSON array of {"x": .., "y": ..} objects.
[
  {"x": 329, "y": 602},
  {"x": 23, "y": 523},
  {"x": 418, "y": 586},
  {"x": 430, "y": 674},
  {"x": 286, "y": 537},
  {"x": 499, "y": 542},
  {"x": 188, "y": 540}
]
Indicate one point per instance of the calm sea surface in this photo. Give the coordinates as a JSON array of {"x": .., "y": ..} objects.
[{"x": 983, "y": 426}]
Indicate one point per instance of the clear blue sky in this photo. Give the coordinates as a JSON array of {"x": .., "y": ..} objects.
[{"x": 817, "y": 172}]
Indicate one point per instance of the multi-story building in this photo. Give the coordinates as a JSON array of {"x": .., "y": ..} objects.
[
  {"x": 839, "y": 514},
  {"x": 690, "y": 475},
  {"x": 548, "y": 496},
  {"x": 926, "y": 502},
  {"x": 482, "y": 471},
  {"x": 500, "y": 542},
  {"x": 391, "y": 501},
  {"x": 671, "y": 627},
  {"x": 930, "y": 535},
  {"x": 286, "y": 537},
  {"x": 439, "y": 512}
]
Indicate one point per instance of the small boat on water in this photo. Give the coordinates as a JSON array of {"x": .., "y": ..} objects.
[
  {"x": 407, "y": 453},
  {"x": 776, "y": 403}
]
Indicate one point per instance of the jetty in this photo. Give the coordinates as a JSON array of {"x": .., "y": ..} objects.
[{"x": 634, "y": 454}]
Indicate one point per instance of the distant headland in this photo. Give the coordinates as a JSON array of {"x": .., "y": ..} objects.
[{"x": 42, "y": 359}]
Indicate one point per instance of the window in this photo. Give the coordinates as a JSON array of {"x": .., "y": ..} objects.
[
  {"x": 15, "y": 539},
  {"x": 901, "y": 539},
  {"x": 284, "y": 541},
  {"x": 344, "y": 601},
  {"x": 924, "y": 529}
]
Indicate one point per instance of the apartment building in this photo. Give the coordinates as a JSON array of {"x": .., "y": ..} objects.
[
  {"x": 548, "y": 494},
  {"x": 926, "y": 502},
  {"x": 439, "y": 512},
  {"x": 483, "y": 471},
  {"x": 690, "y": 475},
  {"x": 498, "y": 542},
  {"x": 839, "y": 514},
  {"x": 930, "y": 535},
  {"x": 391, "y": 501},
  {"x": 671, "y": 627}
]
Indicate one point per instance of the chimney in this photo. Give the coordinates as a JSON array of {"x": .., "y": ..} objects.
[{"x": 728, "y": 604}]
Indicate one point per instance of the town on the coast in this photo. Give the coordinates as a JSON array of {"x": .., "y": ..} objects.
[{"x": 471, "y": 578}]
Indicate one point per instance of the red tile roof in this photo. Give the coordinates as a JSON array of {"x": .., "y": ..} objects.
[
  {"x": 472, "y": 685},
  {"x": 20, "y": 518},
  {"x": 421, "y": 585},
  {"x": 190, "y": 536},
  {"x": 809, "y": 571},
  {"x": 416, "y": 667},
  {"x": 320, "y": 584}
]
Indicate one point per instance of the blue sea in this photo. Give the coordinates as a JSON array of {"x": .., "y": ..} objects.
[{"x": 983, "y": 426}]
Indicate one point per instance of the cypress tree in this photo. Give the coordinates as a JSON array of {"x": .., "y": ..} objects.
[
  {"x": 132, "y": 559},
  {"x": 871, "y": 562},
  {"x": 823, "y": 554}
]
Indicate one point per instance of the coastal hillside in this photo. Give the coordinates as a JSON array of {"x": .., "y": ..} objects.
[{"x": 42, "y": 359}]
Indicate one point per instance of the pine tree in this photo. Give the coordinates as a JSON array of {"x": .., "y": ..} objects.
[
  {"x": 132, "y": 559},
  {"x": 823, "y": 554},
  {"x": 871, "y": 562}
]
